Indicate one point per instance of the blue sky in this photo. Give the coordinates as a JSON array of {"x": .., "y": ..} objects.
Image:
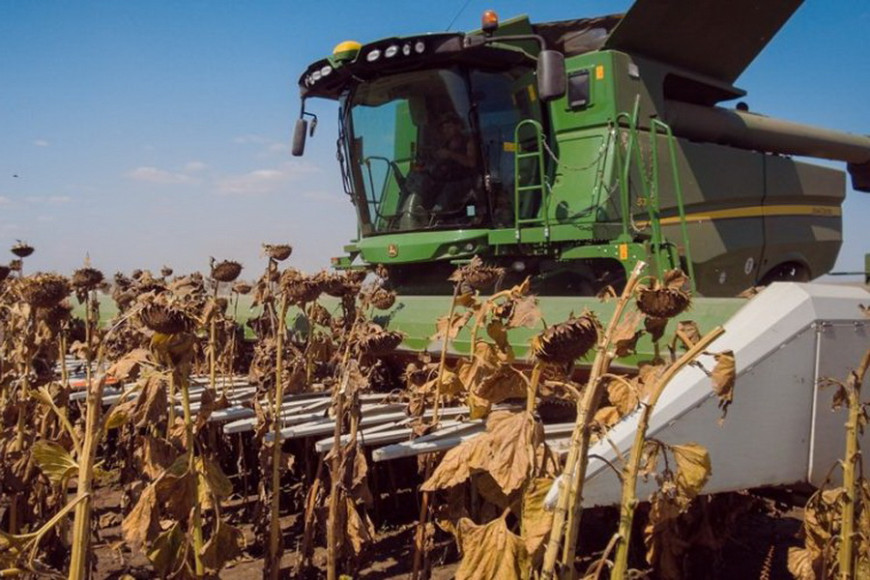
[{"x": 150, "y": 133}]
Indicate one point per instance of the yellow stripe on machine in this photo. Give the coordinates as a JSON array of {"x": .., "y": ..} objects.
[{"x": 758, "y": 211}]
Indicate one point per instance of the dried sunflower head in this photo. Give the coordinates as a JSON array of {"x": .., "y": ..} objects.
[
  {"x": 320, "y": 315},
  {"x": 666, "y": 299},
  {"x": 383, "y": 299},
  {"x": 166, "y": 271},
  {"x": 22, "y": 249},
  {"x": 122, "y": 281},
  {"x": 55, "y": 316},
  {"x": 16, "y": 265},
  {"x": 355, "y": 276},
  {"x": 165, "y": 319},
  {"x": 226, "y": 271},
  {"x": 476, "y": 276},
  {"x": 242, "y": 288},
  {"x": 331, "y": 283},
  {"x": 44, "y": 290},
  {"x": 379, "y": 341},
  {"x": 278, "y": 252},
  {"x": 86, "y": 279},
  {"x": 567, "y": 341},
  {"x": 303, "y": 291}
]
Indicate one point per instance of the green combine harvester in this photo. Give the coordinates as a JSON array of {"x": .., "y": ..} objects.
[{"x": 569, "y": 151}]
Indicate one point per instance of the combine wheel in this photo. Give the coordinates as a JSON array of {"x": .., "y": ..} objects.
[{"x": 786, "y": 272}]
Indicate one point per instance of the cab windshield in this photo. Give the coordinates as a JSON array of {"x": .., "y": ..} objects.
[{"x": 433, "y": 149}]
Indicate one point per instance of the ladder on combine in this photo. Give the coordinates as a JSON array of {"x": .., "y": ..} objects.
[
  {"x": 531, "y": 199},
  {"x": 629, "y": 160}
]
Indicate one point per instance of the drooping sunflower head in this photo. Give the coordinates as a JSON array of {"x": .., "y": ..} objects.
[
  {"x": 22, "y": 249},
  {"x": 85, "y": 279},
  {"x": 165, "y": 319},
  {"x": 567, "y": 341},
  {"x": 377, "y": 341},
  {"x": 225, "y": 271},
  {"x": 44, "y": 290},
  {"x": 383, "y": 299},
  {"x": 278, "y": 252},
  {"x": 667, "y": 298},
  {"x": 475, "y": 275}
]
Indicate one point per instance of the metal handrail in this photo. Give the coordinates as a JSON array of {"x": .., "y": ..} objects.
[
  {"x": 539, "y": 185},
  {"x": 678, "y": 192}
]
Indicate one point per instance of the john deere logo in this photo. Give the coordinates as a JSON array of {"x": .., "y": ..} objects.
[{"x": 392, "y": 250}]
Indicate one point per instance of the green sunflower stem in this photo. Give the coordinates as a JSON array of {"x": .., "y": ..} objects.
[
  {"x": 566, "y": 523},
  {"x": 846, "y": 556},
  {"x": 196, "y": 524},
  {"x": 87, "y": 459},
  {"x": 442, "y": 361},
  {"x": 629, "y": 482},
  {"x": 275, "y": 522},
  {"x": 212, "y": 342}
]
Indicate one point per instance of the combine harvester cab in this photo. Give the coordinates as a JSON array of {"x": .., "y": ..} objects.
[{"x": 589, "y": 145}]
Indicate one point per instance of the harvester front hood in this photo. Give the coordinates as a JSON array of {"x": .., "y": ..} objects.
[{"x": 413, "y": 247}]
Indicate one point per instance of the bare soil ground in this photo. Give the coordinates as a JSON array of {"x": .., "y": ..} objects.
[{"x": 757, "y": 549}]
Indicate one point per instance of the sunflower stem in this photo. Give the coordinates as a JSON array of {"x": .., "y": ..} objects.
[
  {"x": 629, "y": 481},
  {"x": 570, "y": 495},
  {"x": 846, "y": 554},
  {"x": 191, "y": 465},
  {"x": 275, "y": 551},
  {"x": 212, "y": 341},
  {"x": 93, "y": 408},
  {"x": 442, "y": 362}
]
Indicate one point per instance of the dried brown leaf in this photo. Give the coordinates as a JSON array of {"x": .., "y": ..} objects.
[
  {"x": 54, "y": 461},
  {"x": 212, "y": 482},
  {"x": 451, "y": 326},
  {"x": 693, "y": 468},
  {"x": 525, "y": 313},
  {"x": 455, "y": 467},
  {"x": 606, "y": 417},
  {"x": 626, "y": 335},
  {"x": 155, "y": 455},
  {"x": 802, "y": 563},
  {"x": 176, "y": 489},
  {"x": 466, "y": 300},
  {"x": 623, "y": 394},
  {"x": 130, "y": 365},
  {"x": 688, "y": 332},
  {"x": 142, "y": 521},
  {"x": 119, "y": 415},
  {"x": 510, "y": 436},
  {"x": 491, "y": 551},
  {"x": 649, "y": 458},
  {"x": 152, "y": 402},
  {"x": 504, "y": 383},
  {"x": 498, "y": 332},
  {"x": 224, "y": 545},
  {"x": 537, "y": 521},
  {"x": 359, "y": 528},
  {"x": 169, "y": 552},
  {"x": 724, "y": 376},
  {"x": 502, "y": 451}
]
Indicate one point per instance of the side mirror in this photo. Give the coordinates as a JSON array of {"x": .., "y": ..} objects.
[
  {"x": 299, "y": 134},
  {"x": 552, "y": 81}
]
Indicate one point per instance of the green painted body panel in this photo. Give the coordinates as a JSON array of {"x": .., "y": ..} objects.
[
  {"x": 416, "y": 316},
  {"x": 423, "y": 246}
]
